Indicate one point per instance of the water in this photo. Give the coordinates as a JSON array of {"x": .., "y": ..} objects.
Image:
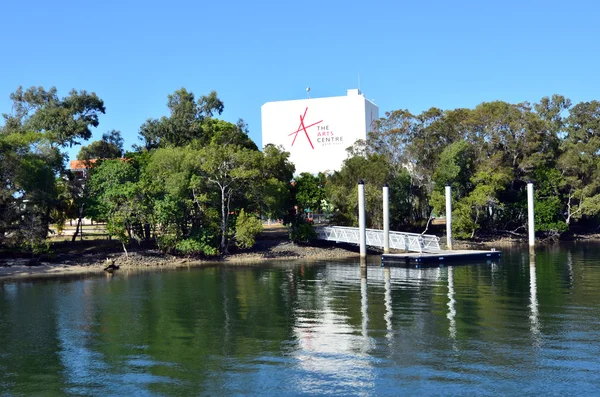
[{"x": 507, "y": 328}]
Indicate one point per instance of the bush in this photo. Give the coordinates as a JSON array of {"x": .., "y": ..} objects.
[
  {"x": 247, "y": 227},
  {"x": 37, "y": 247},
  {"x": 195, "y": 246},
  {"x": 302, "y": 230},
  {"x": 166, "y": 242}
]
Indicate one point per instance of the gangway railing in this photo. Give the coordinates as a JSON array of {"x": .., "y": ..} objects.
[{"x": 398, "y": 240}]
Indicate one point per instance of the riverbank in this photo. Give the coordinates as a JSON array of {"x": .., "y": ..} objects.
[{"x": 90, "y": 257}]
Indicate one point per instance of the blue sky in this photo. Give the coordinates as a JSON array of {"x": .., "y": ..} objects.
[{"x": 410, "y": 55}]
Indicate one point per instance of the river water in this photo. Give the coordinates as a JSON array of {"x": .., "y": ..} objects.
[{"x": 515, "y": 327}]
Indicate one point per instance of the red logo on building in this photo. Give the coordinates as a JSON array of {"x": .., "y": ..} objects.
[{"x": 303, "y": 127}]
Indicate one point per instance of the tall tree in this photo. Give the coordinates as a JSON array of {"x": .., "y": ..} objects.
[
  {"x": 63, "y": 121},
  {"x": 580, "y": 161},
  {"x": 40, "y": 125},
  {"x": 109, "y": 147},
  {"x": 230, "y": 168},
  {"x": 185, "y": 122},
  {"x": 310, "y": 191},
  {"x": 272, "y": 191},
  {"x": 114, "y": 186}
]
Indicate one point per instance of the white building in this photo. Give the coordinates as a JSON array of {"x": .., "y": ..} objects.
[{"x": 318, "y": 131}]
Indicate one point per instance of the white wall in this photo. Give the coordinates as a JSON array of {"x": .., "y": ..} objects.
[{"x": 332, "y": 125}]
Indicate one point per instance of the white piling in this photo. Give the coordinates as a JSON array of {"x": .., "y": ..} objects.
[
  {"x": 362, "y": 224},
  {"x": 530, "y": 215},
  {"x": 448, "y": 217},
  {"x": 386, "y": 219}
]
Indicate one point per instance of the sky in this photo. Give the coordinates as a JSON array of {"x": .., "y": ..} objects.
[{"x": 410, "y": 55}]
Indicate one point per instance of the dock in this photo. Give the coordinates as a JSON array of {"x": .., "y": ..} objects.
[{"x": 441, "y": 257}]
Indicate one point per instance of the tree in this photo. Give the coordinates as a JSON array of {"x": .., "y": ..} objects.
[
  {"x": 185, "y": 122},
  {"x": 40, "y": 125},
  {"x": 247, "y": 227},
  {"x": 310, "y": 191},
  {"x": 220, "y": 132},
  {"x": 63, "y": 121},
  {"x": 580, "y": 161},
  {"x": 114, "y": 185},
  {"x": 272, "y": 191},
  {"x": 342, "y": 190},
  {"x": 109, "y": 147},
  {"x": 231, "y": 168},
  {"x": 180, "y": 195}
]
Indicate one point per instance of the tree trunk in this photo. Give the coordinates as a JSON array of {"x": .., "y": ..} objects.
[
  {"x": 125, "y": 249},
  {"x": 79, "y": 225}
]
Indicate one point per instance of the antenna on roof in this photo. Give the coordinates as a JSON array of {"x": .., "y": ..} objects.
[
  {"x": 308, "y": 92},
  {"x": 359, "y": 82}
]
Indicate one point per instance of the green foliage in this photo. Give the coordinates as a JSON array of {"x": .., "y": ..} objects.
[
  {"x": 546, "y": 212},
  {"x": 271, "y": 193},
  {"x": 229, "y": 169},
  {"x": 310, "y": 191},
  {"x": 247, "y": 227},
  {"x": 109, "y": 147},
  {"x": 63, "y": 121},
  {"x": 301, "y": 230},
  {"x": 32, "y": 236},
  {"x": 31, "y": 139},
  {"x": 198, "y": 245},
  {"x": 187, "y": 122},
  {"x": 342, "y": 191},
  {"x": 193, "y": 171},
  {"x": 118, "y": 198}
]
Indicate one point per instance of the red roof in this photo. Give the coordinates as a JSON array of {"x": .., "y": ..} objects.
[
  {"x": 79, "y": 164},
  {"x": 85, "y": 164}
]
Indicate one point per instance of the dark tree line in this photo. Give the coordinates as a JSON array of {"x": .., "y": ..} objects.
[
  {"x": 184, "y": 186},
  {"x": 487, "y": 154},
  {"x": 181, "y": 189}
]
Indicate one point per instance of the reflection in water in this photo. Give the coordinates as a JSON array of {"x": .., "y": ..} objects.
[
  {"x": 533, "y": 303},
  {"x": 364, "y": 309},
  {"x": 328, "y": 346},
  {"x": 570, "y": 267},
  {"x": 388, "y": 304},
  {"x": 311, "y": 329},
  {"x": 451, "y": 303},
  {"x": 227, "y": 319},
  {"x": 79, "y": 361}
]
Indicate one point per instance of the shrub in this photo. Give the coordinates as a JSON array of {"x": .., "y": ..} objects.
[
  {"x": 195, "y": 246},
  {"x": 301, "y": 230},
  {"x": 166, "y": 242},
  {"x": 247, "y": 227}
]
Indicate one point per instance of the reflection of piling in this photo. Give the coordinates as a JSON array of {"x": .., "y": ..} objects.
[
  {"x": 533, "y": 303},
  {"x": 364, "y": 303},
  {"x": 362, "y": 224},
  {"x": 451, "y": 304},
  {"x": 530, "y": 216},
  {"x": 388, "y": 302},
  {"x": 448, "y": 217},
  {"x": 386, "y": 219}
]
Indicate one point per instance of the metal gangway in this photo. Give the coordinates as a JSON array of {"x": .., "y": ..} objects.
[{"x": 398, "y": 240}]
